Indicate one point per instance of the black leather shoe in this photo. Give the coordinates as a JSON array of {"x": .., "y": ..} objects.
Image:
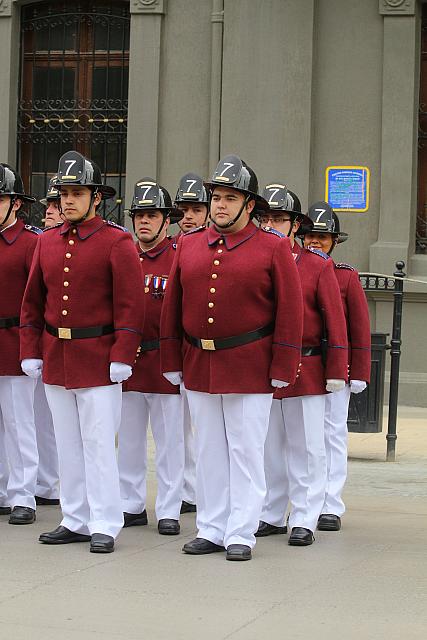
[
  {"x": 5, "y": 511},
  {"x": 46, "y": 501},
  {"x": 239, "y": 552},
  {"x": 266, "y": 529},
  {"x": 22, "y": 515},
  {"x": 301, "y": 537},
  {"x": 135, "y": 519},
  {"x": 101, "y": 543},
  {"x": 62, "y": 535},
  {"x": 187, "y": 507},
  {"x": 329, "y": 522},
  {"x": 201, "y": 546},
  {"x": 168, "y": 527}
]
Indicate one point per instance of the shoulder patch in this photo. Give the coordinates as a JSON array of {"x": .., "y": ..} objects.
[
  {"x": 201, "y": 228},
  {"x": 319, "y": 253},
  {"x": 116, "y": 226},
  {"x": 55, "y": 226},
  {"x": 273, "y": 231},
  {"x": 343, "y": 265},
  {"x": 36, "y": 230}
]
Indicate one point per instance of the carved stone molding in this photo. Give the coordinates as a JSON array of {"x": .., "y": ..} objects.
[
  {"x": 148, "y": 6},
  {"x": 397, "y": 7},
  {"x": 5, "y": 8}
]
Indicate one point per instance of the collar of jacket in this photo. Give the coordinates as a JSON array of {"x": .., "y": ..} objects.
[
  {"x": 11, "y": 233},
  {"x": 297, "y": 251},
  {"x": 155, "y": 251},
  {"x": 84, "y": 229},
  {"x": 232, "y": 240}
]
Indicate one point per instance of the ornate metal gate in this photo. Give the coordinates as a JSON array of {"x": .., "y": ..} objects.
[{"x": 73, "y": 92}]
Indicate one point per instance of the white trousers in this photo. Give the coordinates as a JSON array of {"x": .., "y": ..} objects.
[
  {"x": 296, "y": 461},
  {"x": 4, "y": 467},
  {"x": 165, "y": 412},
  {"x": 336, "y": 438},
  {"x": 48, "y": 474},
  {"x": 86, "y": 422},
  {"x": 20, "y": 457},
  {"x": 230, "y": 485},
  {"x": 189, "y": 486}
]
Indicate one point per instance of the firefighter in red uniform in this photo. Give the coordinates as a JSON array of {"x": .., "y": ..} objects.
[
  {"x": 81, "y": 323},
  {"x": 47, "y": 491},
  {"x": 193, "y": 200},
  {"x": 234, "y": 301},
  {"x": 52, "y": 202},
  {"x": 20, "y": 458},
  {"x": 295, "y": 458},
  {"x": 325, "y": 235},
  {"x": 148, "y": 394}
]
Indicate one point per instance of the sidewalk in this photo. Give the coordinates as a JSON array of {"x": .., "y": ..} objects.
[{"x": 368, "y": 581}]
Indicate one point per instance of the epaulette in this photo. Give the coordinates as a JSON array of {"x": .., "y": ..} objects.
[
  {"x": 201, "y": 228},
  {"x": 55, "y": 226},
  {"x": 319, "y": 253},
  {"x": 117, "y": 226},
  {"x": 343, "y": 265},
  {"x": 273, "y": 231},
  {"x": 36, "y": 230}
]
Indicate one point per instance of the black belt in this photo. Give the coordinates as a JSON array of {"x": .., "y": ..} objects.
[
  {"x": 311, "y": 351},
  {"x": 149, "y": 345},
  {"x": 233, "y": 341},
  {"x": 75, "y": 333},
  {"x": 7, "y": 323}
]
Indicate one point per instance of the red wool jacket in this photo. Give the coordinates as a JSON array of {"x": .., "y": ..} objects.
[
  {"x": 17, "y": 244},
  {"x": 358, "y": 322},
  {"x": 228, "y": 285},
  {"x": 156, "y": 265},
  {"x": 83, "y": 276},
  {"x": 322, "y": 307}
]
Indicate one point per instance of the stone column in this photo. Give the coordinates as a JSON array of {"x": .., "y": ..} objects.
[
  {"x": 398, "y": 135},
  {"x": 144, "y": 86},
  {"x": 9, "y": 69}
]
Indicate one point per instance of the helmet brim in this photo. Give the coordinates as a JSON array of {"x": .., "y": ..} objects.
[{"x": 261, "y": 203}]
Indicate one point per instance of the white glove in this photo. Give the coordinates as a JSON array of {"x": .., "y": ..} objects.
[
  {"x": 335, "y": 385},
  {"x": 174, "y": 377},
  {"x": 32, "y": 367},
  {"x": 357, "y": 386},
  {"x": 279, "y": 384},
  {"x": 119, "y": 371}
]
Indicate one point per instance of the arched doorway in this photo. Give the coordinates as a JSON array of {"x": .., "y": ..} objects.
[{"x": 73, "y": 92}]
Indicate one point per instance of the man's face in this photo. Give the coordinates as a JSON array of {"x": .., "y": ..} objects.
[
  {"x": 280, "y": 221},
  {"x": 147, "y": 225},
  {"x": 322, "y": 241},
  {"x": 4, "y": 208},
  {"x": 75, "y": 201},
  {"x": 194, "y": 215},
  {"x": 52, "y": 215},
  {"x": 226, "y": 204}
]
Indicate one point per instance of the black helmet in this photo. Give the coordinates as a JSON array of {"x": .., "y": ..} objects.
[
  {"x": 234, "y": 173},
  {"x": 324, "y": 220},
  {"x": 191, "y": 189},
  {"x": 280, "y": 198},
  {"x": 52, "y": 193},
  {"x": 73, "y": 168},
  {"x": 149, "y": 194},
  {"x": 11, "y": 183}
]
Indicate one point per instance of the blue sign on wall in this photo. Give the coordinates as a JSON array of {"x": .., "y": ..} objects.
[{"x": 347, "y": 188}]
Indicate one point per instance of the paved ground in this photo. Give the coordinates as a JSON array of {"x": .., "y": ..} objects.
[{"x": 368, "y": 581}]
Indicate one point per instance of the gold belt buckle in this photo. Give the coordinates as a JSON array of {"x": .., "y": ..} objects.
[
  {"x": 207, "y": 345},
  {"x": 64, "y": 333}
]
